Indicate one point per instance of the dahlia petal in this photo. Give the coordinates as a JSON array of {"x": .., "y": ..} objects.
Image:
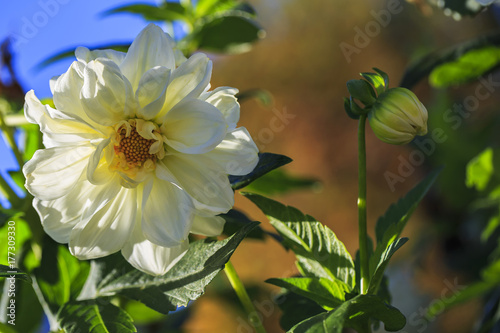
[
  {"x": 151, "y": 91},
  {"x": 151, "y": 48},
  {"x": 149, "y": 257},
  {"x": 106, "y": 95},
  {"x": 97, "y": 170},
  {"x": 66, "y": 91},
  {"x": 59, "y": 216},
  {"x": 205, "y": 181},
  {"x": 57, "y": 132},
  {"x": 223, "y": 98},
  {"x": 84, "y": 55},
  {"x": 237, "y": 154},
  {"x": 108, "y": 229},
  {"x": 167, "y": 213},
  {"x": 188, "y": 81},
  {"x": 53, "y": 172},
  {"x": 194, "y": 127},
  {"x": 210, "y": 226}
]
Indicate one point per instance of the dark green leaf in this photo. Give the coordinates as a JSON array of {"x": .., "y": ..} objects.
[
  {"x": 280, "y": 182},
  {"x": 427, "y": 64},
  {"x": 60, "y": 276},
  {"x": 12, "y": 272},
  {"x": 169, "y": 11},
  {"x": 319, "y": 252},
  {"x": 378, "y": 274},
  {"x": 296, "y": 308},
  {"x": 462, "y": 7},
  {"x": 351, "y": 314},
  {"x": 267, "y": 163},
  {"x": 232, "y": 32},
  {"x": 347, "y": 108},
  {"x": 362, "y": 91},
  {"x": 70, "y": 53},
  {"x": 95, "y": 316},
  {"x": 235, "y": 220},
  {"x": 184, "y": 282},
  {"x": 327, "y": 293}
]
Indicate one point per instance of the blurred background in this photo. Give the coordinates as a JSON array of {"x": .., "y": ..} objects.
[{"x": 311, "y": 48}]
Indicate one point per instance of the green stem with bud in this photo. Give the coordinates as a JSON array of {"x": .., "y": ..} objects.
[
  {"x": 245, "y": 300},
  {"x": 363, "y": 234}
]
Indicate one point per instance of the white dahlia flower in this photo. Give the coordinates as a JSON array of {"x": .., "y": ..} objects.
[{"x": 137, "y": 155}]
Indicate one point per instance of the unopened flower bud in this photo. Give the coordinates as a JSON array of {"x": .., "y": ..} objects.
[{"x": 397, "y": 116}]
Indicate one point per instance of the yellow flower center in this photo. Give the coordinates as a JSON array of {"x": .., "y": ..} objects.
[
  {"x": 138, "y": 144},
  {"x": 134, "y": 146}
]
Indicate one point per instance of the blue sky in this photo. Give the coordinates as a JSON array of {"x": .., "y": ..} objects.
[{"x": 41, "y": 28}]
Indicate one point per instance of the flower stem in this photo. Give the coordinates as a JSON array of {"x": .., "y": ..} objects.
[
  {"x": 363, "y": 243},
  {"x": 242, "y": 294}
]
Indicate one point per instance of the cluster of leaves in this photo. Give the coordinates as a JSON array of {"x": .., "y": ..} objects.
[
  {"x": 223, "y": 26},
  {"x": 328, "y": 273}
]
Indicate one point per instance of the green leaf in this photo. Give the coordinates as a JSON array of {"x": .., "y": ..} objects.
[
  {"x": 296, "y": 308},
  {"x": 480, "y": 169},
  {"x": 392, "y": 223},
  {"x": 383, "y": 75},
  {"x": 376, "y": 80},
  {"x": 9, "y": 272},
  {"x": 424, "y": 66},
  {"x": 327, "y": 293},
  {"x": 351, "y": 314},
  {"x": 319, "y": 252},
  {"x": 232, "y": 32},
  {"x": 361, "y": 90},
  {"x": 96, "y": 316},
  {"x": 210, "y": 7},
  {"x": 378, "y": 274},
  {"x": 184, "y": 282},
  {"x": 235, "y": 220},
  {"x": 492, "y": 225},
  {"x": 168, "y": 11},
  {"x": 70, "y": 53},
  {"x": 60, "y": 276},
  {"x": 267, "y": 163},
  {"x": 280, "y": 182},
  {"x": 468, "y": 67}
]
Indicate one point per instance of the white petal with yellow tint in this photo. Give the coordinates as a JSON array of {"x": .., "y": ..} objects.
[
  {"x": 59, "y": 216},
  {"x": 106, "y": 94},
  {"x": 108, "y": 229},
  {"x": 84, "y": 55},
  {"x": 53, "y": 172},
  {"x": 151, "y": 91},
  {"x": 237, "y": 154},
  {"x": 209, "y": 226},
  {"x": 150, "y": 48},
  {"x": 167, "y": 213},
  {"x": 194, "y": 127},
  {"x": 149, "y": 257},
  {"x": 66, "y": 91},
  {"x": 189, "y": 80},
  {"x": 205, "y": 181},
  {"x": 223, "y": 98},
  {"x": 57, "y": 132},
  {"x": 98, "y": 169}
]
